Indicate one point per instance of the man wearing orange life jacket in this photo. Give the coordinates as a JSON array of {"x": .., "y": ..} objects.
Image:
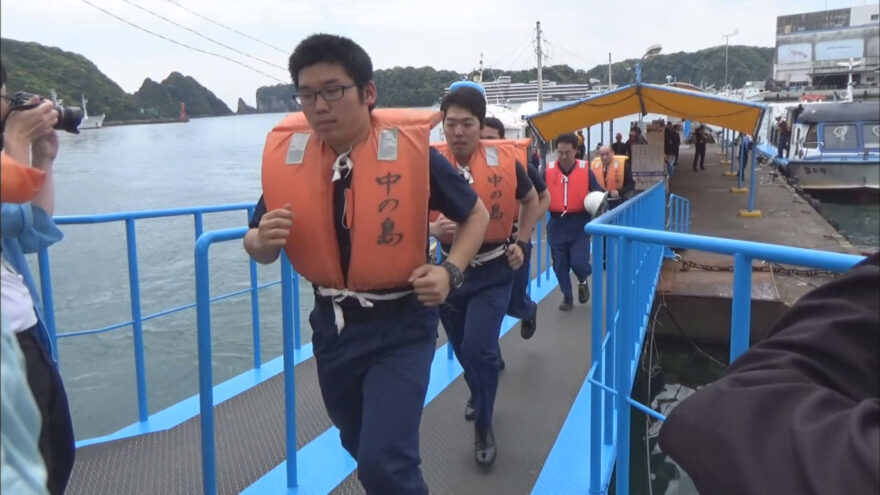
[
  {"x": 345, "y": 186},
  {"x": 521, "y": 305},
  {"x": 473, "y": 314},
  {"x": 614, "y": 175},
  {"x": 569, "y": 181}
]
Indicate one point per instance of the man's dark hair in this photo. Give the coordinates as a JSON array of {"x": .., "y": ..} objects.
[
  {"x": 569, "y": 138},
  {"x": 468, "y": 98},
  {"x": 332, "y": 49},
  {"x": 496, "y": 124}
]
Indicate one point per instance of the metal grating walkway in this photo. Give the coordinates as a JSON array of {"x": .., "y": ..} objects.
[{"x": 536, "y": 390}]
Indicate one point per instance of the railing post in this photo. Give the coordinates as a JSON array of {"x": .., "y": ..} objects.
[
  {"x": 547, "y": 262},
  {"x": 752, "y": 182},
  {"x": 289, "y": 368},
  {"x": 297, "y": 326},
  {"x": 255, "y": 313},
  {"x": 622, "y": 380},
  {"x": 48, "y": 300},
  {"x": 137, "y": 323},
  {"x": 740, "y": 318},
  {"x": 206, "y": 381},
  {"x": 595, "y": 355},
  {"x": 612, "y": 324}
]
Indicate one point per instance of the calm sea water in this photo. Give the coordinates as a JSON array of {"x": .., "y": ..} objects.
[{"x": 204, "y": 162}]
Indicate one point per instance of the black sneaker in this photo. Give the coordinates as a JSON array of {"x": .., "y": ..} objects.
[
  {"x": 565, "y": 306},
  {"x": 583, "y": 293},
  {"x": 469, "y": 412},
  {"x": 527, "y": 327},
  {"x": 501, "y": 363},
  {"x": 485, "y": 449}
]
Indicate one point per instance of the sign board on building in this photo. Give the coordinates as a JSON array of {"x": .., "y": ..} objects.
[
  {"x": 840, "y": 49},
  {"x": 795, "y": 53}
]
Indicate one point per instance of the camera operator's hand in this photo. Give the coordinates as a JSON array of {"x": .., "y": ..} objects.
[
  {"x": 44, "y": 151},
  {"x": 23, "y": 127}
]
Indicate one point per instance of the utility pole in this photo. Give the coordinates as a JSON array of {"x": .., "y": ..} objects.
[
  {"x": 540, "y": 69},
  {"x": 610, "y": 122},
  {"x": 726, "y": 43}
]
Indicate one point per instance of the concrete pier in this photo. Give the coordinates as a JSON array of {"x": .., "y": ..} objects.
[{"x": 695, "y": 291}]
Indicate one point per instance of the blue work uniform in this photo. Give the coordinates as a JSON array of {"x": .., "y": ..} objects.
[
  {"x": 521, "y": 305},
  {"x": 374, "y": 374},
  {"x": 570, "y": 245},
  {"x": 472, "y": 319}
]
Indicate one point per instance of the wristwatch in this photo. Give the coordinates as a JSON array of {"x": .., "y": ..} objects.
[
  {"x": 524, "y": 245},
  {"x": 455, "y": 276}
]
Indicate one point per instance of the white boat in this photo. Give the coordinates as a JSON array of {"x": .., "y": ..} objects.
[
  {"x": 90, "y": 121},
  {"x": 833, "y": 146}
]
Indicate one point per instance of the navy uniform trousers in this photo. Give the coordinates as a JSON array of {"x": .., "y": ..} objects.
[
  {"x": 521, "y": 305},
  {"x": 374, "y": 378},
  {"x": 472, "y": 319},
  {"x": 570, "y": 248}
]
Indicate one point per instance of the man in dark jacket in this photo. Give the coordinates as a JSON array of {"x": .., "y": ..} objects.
[
  {"x": 700, "y": 138},
  {"x": 798, "y": 413}
]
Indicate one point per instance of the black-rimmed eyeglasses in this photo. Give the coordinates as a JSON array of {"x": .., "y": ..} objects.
[{"x": 330, "y": 93}]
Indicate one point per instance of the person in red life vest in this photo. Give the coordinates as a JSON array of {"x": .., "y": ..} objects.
[
  {"x": 343, "y": 186},
  {"x": 569, "y": 181},
  {"x": 473, "y": 314},
  {"x": 613, "y": 175},
  {"x": 521, "y": 305}
]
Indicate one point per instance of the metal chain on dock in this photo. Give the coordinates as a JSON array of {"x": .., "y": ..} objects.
[{"x": 763, "y": 267}]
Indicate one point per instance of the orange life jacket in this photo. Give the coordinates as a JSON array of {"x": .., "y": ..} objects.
[
  {"x": 567, "y": 192},
  {"x": 20, "y": 183},
  {"x": 613, "y": 179},
  {"x": 493, "y": 171},
  {"x": 386, "y": 206}
]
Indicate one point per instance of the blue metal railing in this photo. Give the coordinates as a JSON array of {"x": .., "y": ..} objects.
[
  {"x": 290, "y": 329},
  {"x": 679, "y": 219},
  {"x": 635, "y": 238},
  {"x": 137, "y": 318}
]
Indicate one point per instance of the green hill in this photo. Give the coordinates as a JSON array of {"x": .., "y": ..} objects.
[
  {"x": 423, "y": 86},
  {"x": 40, "y": 69}
]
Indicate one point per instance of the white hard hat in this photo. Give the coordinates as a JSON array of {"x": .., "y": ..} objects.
[{"x": 594, "y": 203}]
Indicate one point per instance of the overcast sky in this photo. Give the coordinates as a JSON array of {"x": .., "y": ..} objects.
[{"x": 445, "y": 35}]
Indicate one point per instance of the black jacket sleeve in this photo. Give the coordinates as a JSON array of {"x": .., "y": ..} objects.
[{"x": 798, "y": 413}]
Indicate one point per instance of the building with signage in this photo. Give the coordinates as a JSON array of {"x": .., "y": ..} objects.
[{"x": 816, "y": 49}]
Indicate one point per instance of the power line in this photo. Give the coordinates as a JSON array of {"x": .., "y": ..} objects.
[
  {"x": 561, "y": 47},
  {"x": 227, "y": 27},
  {"x": 183, "y": 44},
  {"x": 202, "y": 35}
]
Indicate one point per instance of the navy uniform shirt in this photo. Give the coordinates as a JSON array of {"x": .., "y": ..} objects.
[{"x": 450, "y": 195}]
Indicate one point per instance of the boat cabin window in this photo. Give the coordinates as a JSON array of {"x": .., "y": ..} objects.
[
  {"x": 871, "y": 135},
  {"x": 811, "y": 140},
  {"x": 840, "y": 137}
]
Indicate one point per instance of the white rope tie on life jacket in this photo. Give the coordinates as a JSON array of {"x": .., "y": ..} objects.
[
  {"x": 365, "y": 299},
  {"x": 481, "y": 258},
  {"x": 564, "y": 195},
  {"x": 342, "y": 166},
  {"x": 466, "y": 173}
]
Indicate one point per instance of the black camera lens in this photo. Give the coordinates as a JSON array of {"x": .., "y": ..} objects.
[{"x": 69, "y": 118}]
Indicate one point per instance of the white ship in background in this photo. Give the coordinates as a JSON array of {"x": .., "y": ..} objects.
[{"x": 90, "y": 121}]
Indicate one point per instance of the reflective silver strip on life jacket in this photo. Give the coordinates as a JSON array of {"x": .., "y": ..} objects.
[
  {"x": 389, "y": 140},
  {"x": 491, "y": 156},
  {"x": 364, "y": 298},
  {"x": 296, "y": 151}
]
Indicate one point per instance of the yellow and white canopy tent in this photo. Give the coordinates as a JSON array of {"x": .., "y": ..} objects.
[
  {"x": 738, "y": 115},
  {"x": 743, "y": 116}
]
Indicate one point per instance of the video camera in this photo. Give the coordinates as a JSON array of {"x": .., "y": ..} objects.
[{"x": 69, "y": 118}]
